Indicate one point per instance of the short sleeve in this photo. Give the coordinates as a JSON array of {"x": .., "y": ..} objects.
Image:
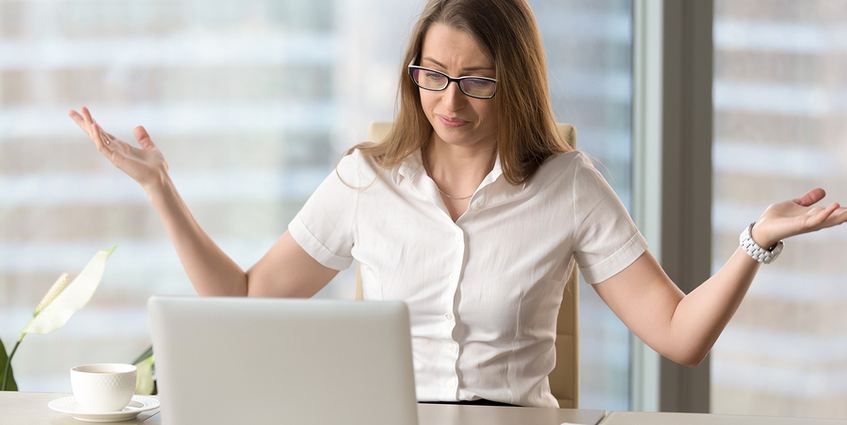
[
  {"x": 325, "y": 226},
  {"x": 607, "y": 240}
]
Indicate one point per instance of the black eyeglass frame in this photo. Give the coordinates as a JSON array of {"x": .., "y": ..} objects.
[{"x": 411, "y": 68}]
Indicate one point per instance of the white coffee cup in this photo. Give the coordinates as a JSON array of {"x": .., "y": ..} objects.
[{"x": 103, "y": 387}]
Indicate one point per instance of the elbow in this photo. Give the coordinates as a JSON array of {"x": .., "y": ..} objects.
[
  {"x": 689, "y": 359},
  {"x": 692, "y": 363}
]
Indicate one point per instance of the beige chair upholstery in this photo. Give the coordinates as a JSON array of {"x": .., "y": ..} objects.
[{"x": 564, "y": 379}]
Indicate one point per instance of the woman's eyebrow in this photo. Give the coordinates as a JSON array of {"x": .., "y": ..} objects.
[{"x": 470, "y": 68}]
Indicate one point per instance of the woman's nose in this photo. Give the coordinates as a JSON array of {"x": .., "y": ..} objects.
[{"x": 453, "y": 96}]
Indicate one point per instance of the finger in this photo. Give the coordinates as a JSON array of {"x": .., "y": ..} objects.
[
  {"x": 98, "y": 139},
  {"x": 143, "y": 138},
  {"x": 811, "y": 197},
  {"x": 840, "y": 216},
  {"x": 101, "y": 134},
  {"x": 78, "y": 119},
  {"x": 821, "y": 217},
  {"x": 81, "y": 122},
  {"x": 837, "y": 217},
  {"x": 89, "y": 120},
  {"x": 86, "y": 115},
  {"x": 97, "y": 136}
]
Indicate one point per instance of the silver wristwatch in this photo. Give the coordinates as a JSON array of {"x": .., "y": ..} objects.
[{"x": 761, "y": 255}]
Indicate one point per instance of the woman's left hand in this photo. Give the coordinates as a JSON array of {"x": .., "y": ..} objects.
[{"x": 789, "y": 218}]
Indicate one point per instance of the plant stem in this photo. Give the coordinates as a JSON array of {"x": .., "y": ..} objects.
[{"x": 8, "y": 363}]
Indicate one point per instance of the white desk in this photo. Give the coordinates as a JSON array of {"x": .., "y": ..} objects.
[
  {"x": 31, "y": 409},
  {"x": 451, "y": 414},
  {"x": 666, "y": 418}
]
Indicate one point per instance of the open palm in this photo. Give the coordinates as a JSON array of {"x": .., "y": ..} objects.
[
  {"x": 790, "y": 218},
  {"x": 146, "y": 164}
]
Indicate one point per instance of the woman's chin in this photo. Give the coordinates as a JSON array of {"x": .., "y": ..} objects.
[
  {"x": 455, "y": 139},
  {"x": 456, "y": 135}
]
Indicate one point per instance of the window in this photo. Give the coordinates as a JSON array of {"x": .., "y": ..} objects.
[
  {"x": 589, "y": 56},
  {"x": 253, "y": 103},
  {"x": 779, "y": 128}
]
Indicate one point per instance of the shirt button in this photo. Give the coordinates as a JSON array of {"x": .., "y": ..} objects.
[{"x": 448, "y": 316}]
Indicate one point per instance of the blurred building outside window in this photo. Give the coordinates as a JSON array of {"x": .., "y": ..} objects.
[{"x": 780, "y": 98}]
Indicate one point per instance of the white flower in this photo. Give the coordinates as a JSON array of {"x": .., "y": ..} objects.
[{"x": 64, "y": 299}]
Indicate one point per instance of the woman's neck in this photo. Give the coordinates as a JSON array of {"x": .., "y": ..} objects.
[{"x": 458, "y": 170}]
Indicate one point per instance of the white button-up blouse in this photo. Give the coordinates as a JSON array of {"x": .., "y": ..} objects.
[{"x": 483, "y": 292}]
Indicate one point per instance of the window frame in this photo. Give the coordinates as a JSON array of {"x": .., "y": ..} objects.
[{"x": 672, "y": 181}]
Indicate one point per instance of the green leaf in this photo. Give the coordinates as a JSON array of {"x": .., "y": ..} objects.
[
  {"x": 11, "y": 385},
  {"x": 60, "y": 307}
]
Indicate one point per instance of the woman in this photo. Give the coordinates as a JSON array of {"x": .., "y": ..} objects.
[{"x": 473, "y": 211}]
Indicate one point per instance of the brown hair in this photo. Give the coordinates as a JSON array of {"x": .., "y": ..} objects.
[{"x": 507, "y": 30}]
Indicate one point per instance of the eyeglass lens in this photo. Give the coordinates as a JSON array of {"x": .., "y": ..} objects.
[{"x": 433, "y": 80}]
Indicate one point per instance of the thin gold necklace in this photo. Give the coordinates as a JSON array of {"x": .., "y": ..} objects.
[
  {"x": 455, "y": 198},
  {"x": 449, "y": 196}
]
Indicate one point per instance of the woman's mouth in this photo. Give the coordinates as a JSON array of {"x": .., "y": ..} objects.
[{"x": 452, "y": 122}]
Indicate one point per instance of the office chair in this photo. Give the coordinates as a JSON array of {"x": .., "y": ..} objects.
[{"x": 564, "y": 379}]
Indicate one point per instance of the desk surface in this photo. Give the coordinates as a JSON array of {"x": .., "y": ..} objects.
[
  {"x": 31, "y": 408},
  {"x": 667, "y": 418}
]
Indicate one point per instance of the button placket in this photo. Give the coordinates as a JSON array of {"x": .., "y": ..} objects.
[
  {"x": 452, "y": 348},
  {"x": 456, "y": 275}
]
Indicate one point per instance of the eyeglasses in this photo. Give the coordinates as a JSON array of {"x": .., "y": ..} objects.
[{"x": 430, "y": 79}]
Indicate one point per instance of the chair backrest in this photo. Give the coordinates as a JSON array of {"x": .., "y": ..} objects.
[{"x": 564, "y": 379}]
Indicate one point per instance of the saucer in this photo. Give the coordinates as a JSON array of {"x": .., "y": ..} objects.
[{"x": 138, "y": 404}]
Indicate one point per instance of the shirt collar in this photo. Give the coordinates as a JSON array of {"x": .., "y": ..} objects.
[
  {"x": 412, "y": 166},
  {"x": 494, "y": 174}
]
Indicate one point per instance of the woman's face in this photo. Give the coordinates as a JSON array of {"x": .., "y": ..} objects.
[{"x": 456, "y": 118}]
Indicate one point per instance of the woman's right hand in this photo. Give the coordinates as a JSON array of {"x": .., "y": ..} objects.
[{"x": 146, "y": 165}]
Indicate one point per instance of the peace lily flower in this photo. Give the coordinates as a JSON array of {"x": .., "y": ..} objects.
[{"x": 62, "y": 300}]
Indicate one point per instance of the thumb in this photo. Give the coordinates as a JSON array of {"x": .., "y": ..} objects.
[
  {"x": 143, "y": 138},
  {"x": 811, "y": 197}
]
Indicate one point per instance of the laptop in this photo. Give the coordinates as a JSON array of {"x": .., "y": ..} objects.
[{"x": 274, "y": 361}]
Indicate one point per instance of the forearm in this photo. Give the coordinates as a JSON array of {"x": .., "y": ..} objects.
[
  {"x": 682, "y": 327},
  {"x": 701, "y": 316},
  {"x": 211, "y": 271}
]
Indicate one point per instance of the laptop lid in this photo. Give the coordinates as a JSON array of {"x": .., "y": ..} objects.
[{"x": 271, "y": 361}]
